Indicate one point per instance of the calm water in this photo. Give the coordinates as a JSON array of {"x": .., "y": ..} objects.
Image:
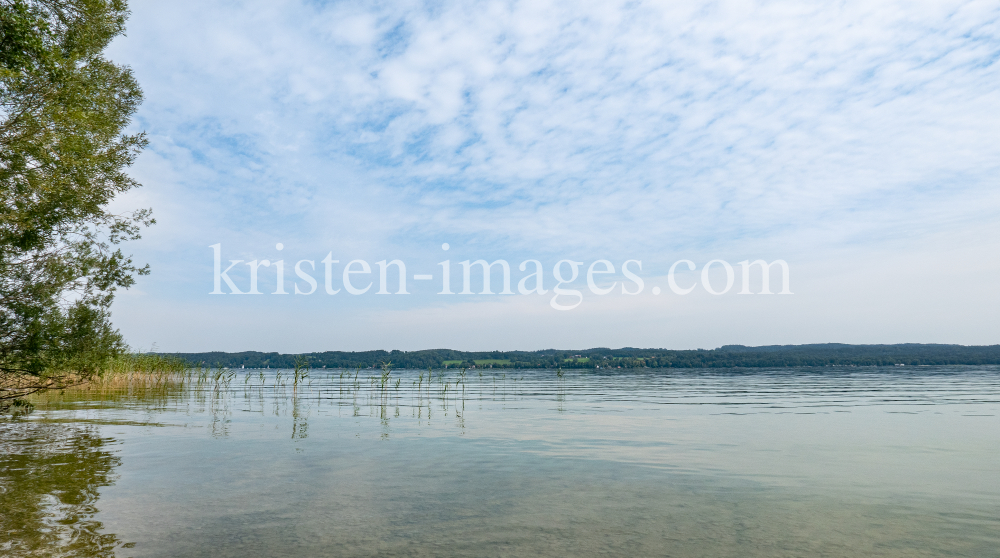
[{"x": 812, "y": 462}]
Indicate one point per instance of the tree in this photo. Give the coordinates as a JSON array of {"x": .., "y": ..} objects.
[{"x": 63, "y": 156}]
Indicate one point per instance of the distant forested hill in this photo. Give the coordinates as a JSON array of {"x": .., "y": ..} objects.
[{"x": 830, "y": 354}]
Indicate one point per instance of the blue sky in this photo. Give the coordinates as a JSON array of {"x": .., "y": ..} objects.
[{"x": 858, "y": 141}]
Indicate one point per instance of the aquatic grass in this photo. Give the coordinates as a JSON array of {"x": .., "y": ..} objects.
[
  {"x": 301, "y": 370},
  {"x": 214, "y": 388},
  {"x": 132, "y": 375}
]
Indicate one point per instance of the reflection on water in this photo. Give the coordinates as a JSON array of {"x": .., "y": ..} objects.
[
  {"x": 837, "y": 462},
  {"x": 49, "y": 485}
]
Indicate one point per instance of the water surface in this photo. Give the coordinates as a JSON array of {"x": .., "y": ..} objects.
[{"x": 792, "y": 462}]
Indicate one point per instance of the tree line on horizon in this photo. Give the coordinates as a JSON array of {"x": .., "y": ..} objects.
[{"x": 729, "y": 356}]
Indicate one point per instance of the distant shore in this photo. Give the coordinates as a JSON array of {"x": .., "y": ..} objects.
[{"x": 728, "y": 356}]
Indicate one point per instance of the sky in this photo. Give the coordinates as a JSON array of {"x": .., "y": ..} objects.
[{"x": 859, "y": 142}]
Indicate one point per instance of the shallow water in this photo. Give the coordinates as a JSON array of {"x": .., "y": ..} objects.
[{"x": 810, "y": 462}]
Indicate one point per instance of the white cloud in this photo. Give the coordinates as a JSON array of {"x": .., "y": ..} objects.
[{"x": 799, "y": 128}]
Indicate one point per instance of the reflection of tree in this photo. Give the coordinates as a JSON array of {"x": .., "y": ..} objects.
[{"x": 50, "y": 475}]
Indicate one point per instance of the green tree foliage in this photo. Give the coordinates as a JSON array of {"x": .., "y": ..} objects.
[
  {"x": 63, "y": 157},
  {"x": 730, "y": 356}
]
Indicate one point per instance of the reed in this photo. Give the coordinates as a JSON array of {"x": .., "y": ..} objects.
[
  {"x": 301, "y": 370},
  {"x": 132, "y": 375}
]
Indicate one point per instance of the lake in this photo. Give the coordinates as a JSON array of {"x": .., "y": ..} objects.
[{"x": 901, "y": 461}]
